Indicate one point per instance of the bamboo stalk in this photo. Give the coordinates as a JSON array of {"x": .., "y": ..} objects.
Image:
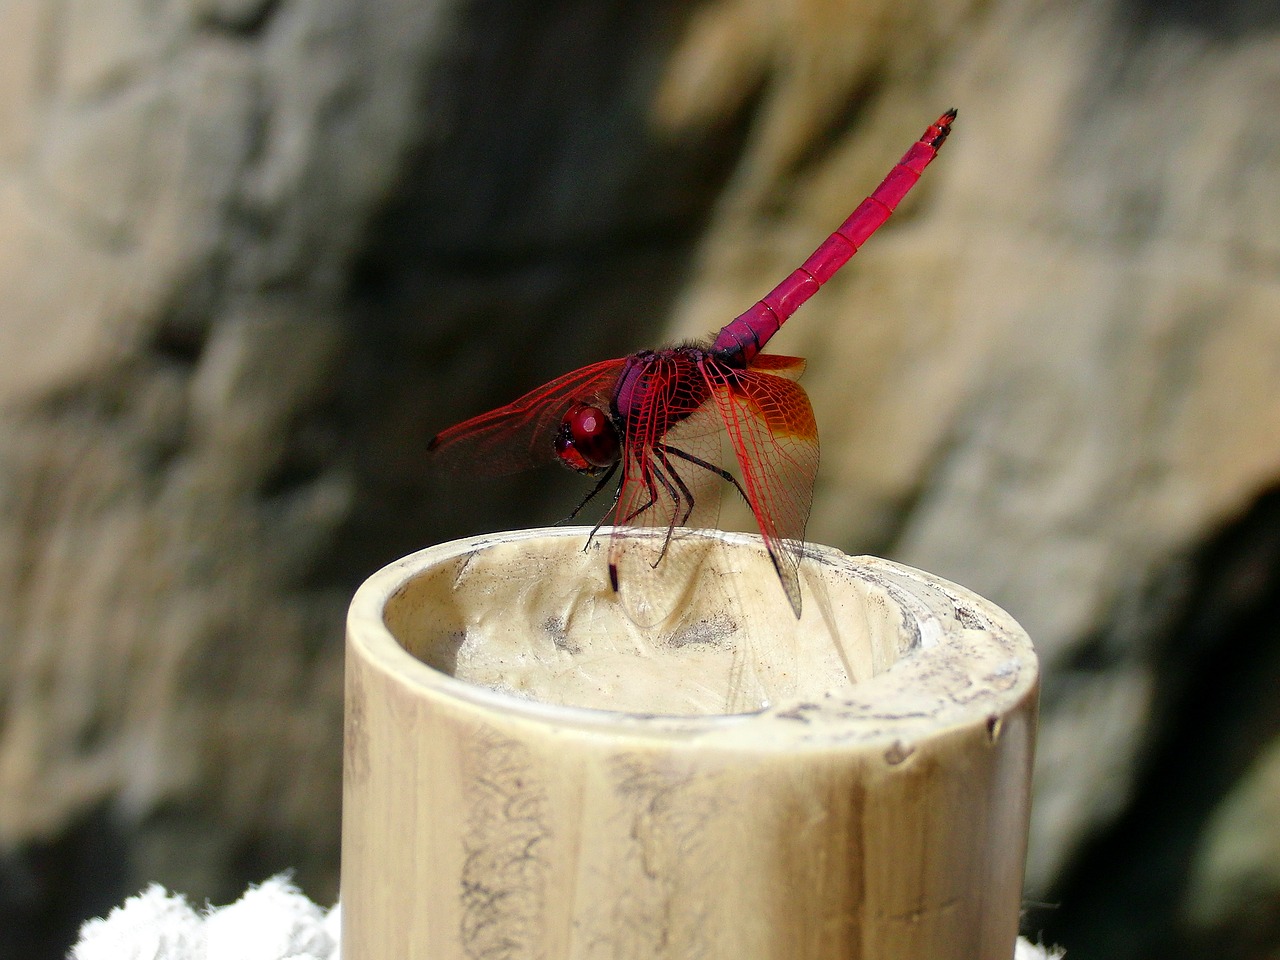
[{"x": 531, "y": 775}]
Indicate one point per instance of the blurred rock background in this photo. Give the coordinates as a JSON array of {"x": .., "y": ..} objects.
[{"x": 253, "y": 253}]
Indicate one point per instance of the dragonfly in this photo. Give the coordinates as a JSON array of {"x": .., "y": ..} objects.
[{"x": 653, "y": 423}]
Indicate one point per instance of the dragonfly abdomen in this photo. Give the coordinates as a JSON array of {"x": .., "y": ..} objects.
[{"x": 744, "y": 336}]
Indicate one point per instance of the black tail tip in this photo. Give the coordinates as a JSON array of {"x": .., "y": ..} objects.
[{"x": 940, "y": 129}]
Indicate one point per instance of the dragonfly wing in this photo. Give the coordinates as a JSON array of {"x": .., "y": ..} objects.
[
  {"x": 789, "y": 367},
  {"x": 774, "y": 436},
  {"x": 521, "y": 434},
  {"x": 671, "y": 480}
]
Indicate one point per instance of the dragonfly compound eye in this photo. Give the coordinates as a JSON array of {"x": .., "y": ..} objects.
[{"x": 587, "y": 441}]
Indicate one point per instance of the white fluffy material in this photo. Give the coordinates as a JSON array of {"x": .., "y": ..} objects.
[
  {"x": 1024, "y": 949},
  {"x": 273, "y": 921}
]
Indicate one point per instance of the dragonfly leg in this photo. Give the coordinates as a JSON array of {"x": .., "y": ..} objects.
[
  {"x": 675, "y": 486},
  {"x": 600, "y": 484},
  {"x": 718, "y": 471},
  {"x": 651, "y": 470},
  {"x": 662, "y": 450},
  {"x": 650, "y": 474},
  {"x": 617, "y": 493},
  {"x": 646, "y": 474}
]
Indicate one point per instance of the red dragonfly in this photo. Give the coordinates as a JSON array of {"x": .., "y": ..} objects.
[{"x": 660, "y": 416}]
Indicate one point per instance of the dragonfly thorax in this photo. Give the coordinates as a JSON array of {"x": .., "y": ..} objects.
[{"x": 587, "y": 440}]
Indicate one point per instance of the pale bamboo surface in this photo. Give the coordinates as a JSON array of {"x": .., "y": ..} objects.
[{"x": 529, "y": 774}]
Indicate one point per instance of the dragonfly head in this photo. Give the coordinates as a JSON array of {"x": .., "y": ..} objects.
[{"x": 587, "y": 440}]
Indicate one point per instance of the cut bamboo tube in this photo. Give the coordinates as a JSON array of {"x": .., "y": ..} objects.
[{"x": 528, "y": 774}]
